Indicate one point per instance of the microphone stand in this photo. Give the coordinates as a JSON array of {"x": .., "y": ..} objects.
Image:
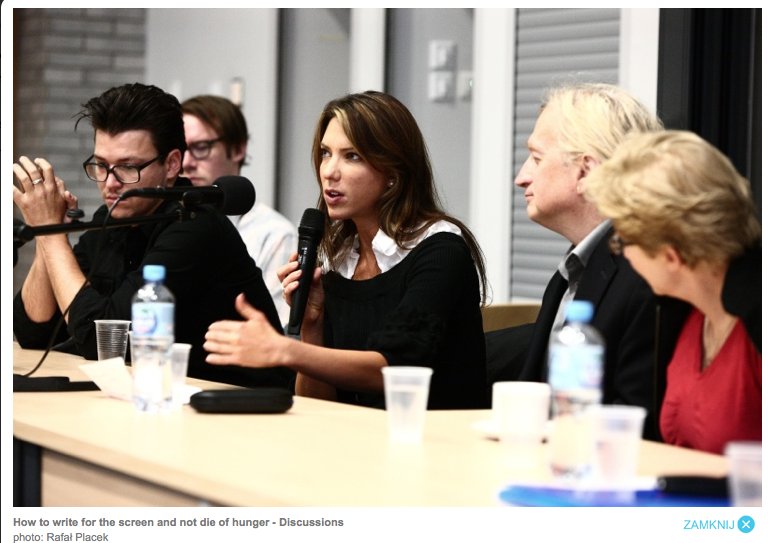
[{"x": 23, "y": 233}]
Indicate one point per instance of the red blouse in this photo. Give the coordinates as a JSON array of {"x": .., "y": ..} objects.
[{"x": 706, "y": 409}]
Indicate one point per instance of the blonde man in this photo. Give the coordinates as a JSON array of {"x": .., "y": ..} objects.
[
  {"x": 579, "y": 126},
  {"x": 685, "y": 220}
]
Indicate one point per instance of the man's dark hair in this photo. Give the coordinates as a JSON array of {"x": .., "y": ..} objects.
[
  {"x": 223, "y": 116},
  {"x": 135, "y": 106}
]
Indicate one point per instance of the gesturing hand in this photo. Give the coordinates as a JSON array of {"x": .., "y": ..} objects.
[{"x": 253, "y": 342}]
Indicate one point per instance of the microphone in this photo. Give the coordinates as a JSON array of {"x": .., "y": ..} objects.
[
  {"x": 311, "y": 230},
  {"x": 232, "y": 194}
]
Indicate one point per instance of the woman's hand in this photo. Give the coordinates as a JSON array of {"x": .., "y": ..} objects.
[
  {"x": 289, "y": 276},
  {"x": 253, "y": 342}
]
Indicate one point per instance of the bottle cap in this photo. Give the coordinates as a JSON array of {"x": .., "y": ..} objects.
[
  {"x": 579, "y": 311},
  {"x": 154, "y": 272}
]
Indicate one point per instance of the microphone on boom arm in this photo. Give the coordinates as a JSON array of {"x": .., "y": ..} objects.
[{"x": 232, "y": 194}]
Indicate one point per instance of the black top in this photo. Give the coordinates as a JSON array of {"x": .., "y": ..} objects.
[
  {"x": 742, "y": 292},
  {"x": 425, "y": 311},
  {"x": 207, "y": 266}
]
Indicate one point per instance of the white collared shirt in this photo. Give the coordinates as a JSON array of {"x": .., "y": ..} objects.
[{"x": 387, "y": 253}]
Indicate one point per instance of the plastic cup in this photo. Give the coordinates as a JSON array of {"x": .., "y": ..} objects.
[
  {"x": 618, "y": 431},
  {"x": 520, "y": 412},
  {"x": 111, "y": 338},
  {"x": 745, "y": 473},
  {"x": 179, "y": 366},
  {"x": 406, "y": 389},
  {"x": 150, "y": 358}
]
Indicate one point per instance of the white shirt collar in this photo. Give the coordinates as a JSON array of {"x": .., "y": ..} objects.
[{"x": 387, "y": 253}]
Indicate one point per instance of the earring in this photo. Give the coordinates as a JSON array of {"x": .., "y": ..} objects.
[{"x": 391, "y": 183}]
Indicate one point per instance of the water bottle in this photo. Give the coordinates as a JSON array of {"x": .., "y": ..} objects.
[
  {"x": 152, "y": 313},
  {"x": 152, "y": 309},
  {"x": 575, "y": 376}
]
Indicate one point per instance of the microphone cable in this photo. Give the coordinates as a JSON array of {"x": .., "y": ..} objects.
[{"x": 56, "y": 329}]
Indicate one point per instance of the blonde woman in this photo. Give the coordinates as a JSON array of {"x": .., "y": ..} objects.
[{"x": 685, "y": 220}]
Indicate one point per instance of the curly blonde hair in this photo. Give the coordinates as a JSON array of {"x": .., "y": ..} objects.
[{"x": 674, "y": 188}]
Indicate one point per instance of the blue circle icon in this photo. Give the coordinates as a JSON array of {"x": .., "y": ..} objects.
[{"x": 746, "y": 524}]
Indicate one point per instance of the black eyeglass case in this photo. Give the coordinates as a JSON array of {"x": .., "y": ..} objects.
[{"x": 250, "y": 400}]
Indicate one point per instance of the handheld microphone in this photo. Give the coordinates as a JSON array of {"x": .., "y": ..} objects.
[
  {"x": 232, "y": 194},
  {"x": 311, "y": 231}
]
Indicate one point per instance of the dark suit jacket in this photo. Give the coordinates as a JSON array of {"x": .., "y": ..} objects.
[{"x": 626, "y": 316}]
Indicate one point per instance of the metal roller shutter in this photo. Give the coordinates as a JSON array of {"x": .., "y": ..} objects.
[{"x": 553, "y": 45}]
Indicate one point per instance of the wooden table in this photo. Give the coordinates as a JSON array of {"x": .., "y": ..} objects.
[{"x": 99, "y": 451}]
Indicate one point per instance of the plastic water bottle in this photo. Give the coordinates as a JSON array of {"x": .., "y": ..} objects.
[
  {"x": 575, "y": 376},
  {"x": 152, "y": 310},
  {"x": 152, "y": 315}
]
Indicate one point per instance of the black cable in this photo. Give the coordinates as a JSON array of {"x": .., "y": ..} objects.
[{"x": 85, "y": 283}]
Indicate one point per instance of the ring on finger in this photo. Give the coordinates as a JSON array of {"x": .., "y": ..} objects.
[{"x": 38, "y": 180}]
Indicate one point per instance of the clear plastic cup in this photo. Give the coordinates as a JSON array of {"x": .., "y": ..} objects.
[
  {"x": 111, "y": 338},
  {"x": 179, "y": 368},
  {"x": 406, "y": 389},
  {"x": 618, "y": 432},
  {"x": 745, "y": 473}
]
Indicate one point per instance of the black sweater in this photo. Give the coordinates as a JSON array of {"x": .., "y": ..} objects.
[{"x": 425, "y": 311}]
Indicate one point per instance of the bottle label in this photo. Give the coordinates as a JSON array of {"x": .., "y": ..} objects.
[
  {"x": 576, "y": 369},
  {"x": 152, "y": 319}
]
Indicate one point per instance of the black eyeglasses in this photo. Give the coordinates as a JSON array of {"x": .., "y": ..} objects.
[
  {"x": 201, "y": 149},
  {"x": 616, "y": 244},
  {"x": 125, "y": 173}
]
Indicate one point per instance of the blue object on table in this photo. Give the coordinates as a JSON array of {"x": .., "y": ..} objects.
[{"x": 537, "y": 496}]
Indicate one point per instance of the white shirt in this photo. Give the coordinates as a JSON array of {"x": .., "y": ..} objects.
[
  {"x": 270, "y": 239},
  {"x": 387, "y": 253}
]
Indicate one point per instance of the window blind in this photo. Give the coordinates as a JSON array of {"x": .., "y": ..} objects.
[{"x": 553, "y": 45}]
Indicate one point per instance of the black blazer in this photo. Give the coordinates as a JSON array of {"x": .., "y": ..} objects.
[{"x": 626, "y": 316}]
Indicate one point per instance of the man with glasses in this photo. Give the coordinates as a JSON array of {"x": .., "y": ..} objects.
[
  {"x": 217, "y": 139},
  {"x": 578, "y": 127},
  {"x": 138, "y": 143}
]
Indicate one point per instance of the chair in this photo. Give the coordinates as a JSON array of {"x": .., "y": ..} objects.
[
  {"x": 499, "y": 316},
  {"x": 508, "y": 330}
]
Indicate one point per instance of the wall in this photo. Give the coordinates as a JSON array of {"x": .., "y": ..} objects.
[
  {"x": 314, "y": 68},
  {"x": 205, "y": 51},
  {"x": 445, "y": 125},
  {"x": 68, "y": 56}
]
